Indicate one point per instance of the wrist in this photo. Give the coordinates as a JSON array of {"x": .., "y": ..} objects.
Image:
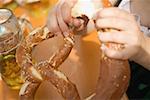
[
  {"x": 141, "y": 46},
  {"x": 143, "y": 55}
]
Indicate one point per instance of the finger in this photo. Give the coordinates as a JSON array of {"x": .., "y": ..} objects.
[
  {"x": 52, "y": 23},
  {"x": 116, "y": 37},
  {"x": 71, "y": 2},
  {"x": 116, "y": 23},
  {"x": 117, "y": 54},
  {"x": 114, "y": 12},
  {"x": 66, "y": 14},
  {"x": 63, "y": 26}
]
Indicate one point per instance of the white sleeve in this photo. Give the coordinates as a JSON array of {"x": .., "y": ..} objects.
[{"x": 125, "y": 4}]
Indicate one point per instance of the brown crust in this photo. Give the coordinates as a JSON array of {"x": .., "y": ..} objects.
[
  {"x": 46, "y": 70},
  {"x": 58, "y": 58},
  {"x": 113, "y": 80},
  {"x": 30, "y": 91},
  {"x": 114, "y": 75},
  {"x": 64, "y": 86},
  {"x": 112, "y": 83}
]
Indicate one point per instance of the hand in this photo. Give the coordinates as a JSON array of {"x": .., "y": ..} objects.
[
  {"x": 127, "y": 33},
  {"x": 60, "y": 17}
]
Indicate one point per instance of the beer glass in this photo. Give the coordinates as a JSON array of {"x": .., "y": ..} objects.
[{"x": 10, "y": 37}]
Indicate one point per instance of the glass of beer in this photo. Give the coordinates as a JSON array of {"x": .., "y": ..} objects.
[{"x": 10, "y": 37}]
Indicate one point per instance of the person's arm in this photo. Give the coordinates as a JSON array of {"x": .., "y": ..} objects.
[
  {"x": 142, "y": 9},
  {"x": 143, "y": 57}
]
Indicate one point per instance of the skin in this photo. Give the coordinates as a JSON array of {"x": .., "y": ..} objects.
[
  {"x": 137, "y": 8},
  {"x": 136, "y": 45},
  {"x": 62, "y": 10}
]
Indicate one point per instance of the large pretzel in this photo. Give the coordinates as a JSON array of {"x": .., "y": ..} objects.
[
  {"x": 35, "y": 73},
  {"x": 112, "y": 83}
]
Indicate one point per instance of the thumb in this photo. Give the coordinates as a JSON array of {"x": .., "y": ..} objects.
[
  {"x": 66, "y": 10},
  {"x": 71, "y": 2}
]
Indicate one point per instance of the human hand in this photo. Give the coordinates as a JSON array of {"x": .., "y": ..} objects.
[
  {"x": 127, "y": 32},
  {"x": 60, "y": 17}
]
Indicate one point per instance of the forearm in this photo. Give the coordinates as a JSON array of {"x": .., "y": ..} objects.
[{"x": 143, "y": 58}]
